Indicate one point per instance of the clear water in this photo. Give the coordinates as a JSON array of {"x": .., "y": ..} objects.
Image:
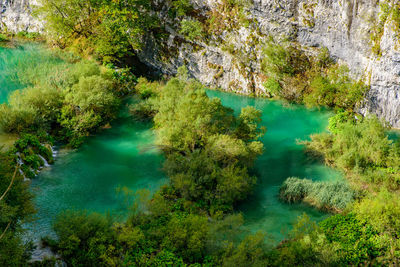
[
  {"x": 6, "y": 84},
  {"x": 91, "y": 177},
  {"x": 282, "y": 158},
  {"x": 124, "y": 156}
]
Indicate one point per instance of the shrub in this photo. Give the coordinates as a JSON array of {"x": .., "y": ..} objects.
[
  {"x": 191, "y": 29},
  {"x": 3, "y": 38},
  {"x": 181, "y": 7},
  {"x": 361, "y": 148},
  {"x": 314, "y": 81},
  {"x": 273, "y": 87},
  {"x": 358, "y": 242},
  {"x": 84, "y": 239}
]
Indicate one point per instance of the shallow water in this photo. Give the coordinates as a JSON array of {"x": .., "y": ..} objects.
[
  {"x": 125, "y": 157},
  {"x": 282, "y": 158},
  {"x": 91, "y": 177},
  {"x": 6, "y": 84}
]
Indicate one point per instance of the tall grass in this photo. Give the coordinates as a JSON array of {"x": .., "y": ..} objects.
[
  {"x": 32, "y": 65},
  {"x": 331, "y": 196}
]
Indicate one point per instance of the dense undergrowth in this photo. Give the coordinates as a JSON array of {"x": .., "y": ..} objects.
[
  {"x": 367, "y": 230},
  {"x": 66, "y": 99},
  {"x": 362, "y": 149},
  {"x": 189, "y": 221},
  {"x": 208, "y": 150}
]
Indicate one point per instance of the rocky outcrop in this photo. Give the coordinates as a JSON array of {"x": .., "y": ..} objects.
[
  {"x": 231, "y": 59},
  {"x": 343, "y": 26},
  {"x": 16, "y": 16}
]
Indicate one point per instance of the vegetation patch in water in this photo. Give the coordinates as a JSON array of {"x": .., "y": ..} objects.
[
  {"x": 67, "y": 99},
  {"x": 329, "y": 196}
]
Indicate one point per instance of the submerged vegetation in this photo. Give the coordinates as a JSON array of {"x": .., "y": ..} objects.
[
  {"x": 66, "y": 98},
  {"x": 330, "y": 196},
  {"x": 209, "y": 151},
  {"x": 367, "y": 230},
  {"x": 362, "y": 149},
  {"x": 208, "y": 154}
]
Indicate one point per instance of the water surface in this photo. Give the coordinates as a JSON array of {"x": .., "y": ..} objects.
[
  {"x": 124, "y": 156},
  {"x": 7, "y": 85},
  {"x": 282, "y": 158},
  {"x": 91, "y": 178}
]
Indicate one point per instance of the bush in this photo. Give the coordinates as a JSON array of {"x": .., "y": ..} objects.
[
  {"x": 191, "y": 29},
  {"x": 273, "y": 87},
  {"x": 181, "y": 7},
  {"x": 28, "y": 35},
  {"x": 84, "y": 239},
  {"x": 358, "y": 242},
  {"x": 32, "y": 109},
  {"x": 3, "y": 38},
  {"x": 314, "y": 81},
  {"x": 335, "y": 89},
  {"x": 361, "y": 148},
  {"x": 29, "y": 149},
  {"x": 208, "y": 150}
]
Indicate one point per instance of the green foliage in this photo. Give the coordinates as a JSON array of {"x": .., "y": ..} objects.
[
  {"x": 336, "y": 121},
  {"x": 69, "y": 100},
  {"x": 358, "y": 242},
  {"x": 89, "y": 104},
  {"x": 181, "y": 7},
  {"x": 331, "y": 196},
  {"x": 30, "y": 150},
  {"x": 30, "y": 110},
  {"x": 108, "y": 29},
  {"x": 208, "y": 150},
  {"x": 335, "y": 89},
  {"x": 28, "y": 35},
  {"x": 3, "y": 38},
  {"x": 15, "y": 207},
  {"x": 381, "y": 211},
  {"x": 314, "y": 81},
  {"x": 389, "y": 13},
  {"x": 252, "y": 251},
  {"x": 191, "y": 29},
  {"x": 13, "y": 251},
  {"x": 273, "y": 87},
  {"x": 228, "y": 15},
  {"x": 307, "y": 246},
  {"x": 85, "y": 239},
  {"x": 361, "y": 148},
  {"x": 281, "y": 60}
]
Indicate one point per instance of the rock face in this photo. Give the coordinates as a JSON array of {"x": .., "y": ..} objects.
[
  {"x": 231, "y": 59},
  {"x": 15, "y": 16},
  {"x": 343, "y": 26}
]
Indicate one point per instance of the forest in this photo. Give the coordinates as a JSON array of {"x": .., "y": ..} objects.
[{"x": 83, "y": 70}]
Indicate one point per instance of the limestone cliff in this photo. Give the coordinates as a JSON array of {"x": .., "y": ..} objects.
[
  {"x": 15, "y": 16},
  {"x": 231, "y": 59}
]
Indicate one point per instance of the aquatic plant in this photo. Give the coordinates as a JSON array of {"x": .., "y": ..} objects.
[{"x": 331, "y": 196}]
